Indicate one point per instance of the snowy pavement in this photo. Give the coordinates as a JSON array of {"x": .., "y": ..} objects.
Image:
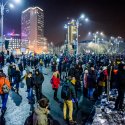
[{"x": 105, "y": 115}]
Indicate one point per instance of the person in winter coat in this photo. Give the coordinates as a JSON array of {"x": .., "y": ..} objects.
[
  {"x": 41, "y": 65},
  {"x": 85, "y": 87},
  {"x": 101, "y": 82},
  {"x": 20, "y": 65},
  {"x": 16, "y": 79},
  {"x": 38, "y": 80},
  {"x": 121, "y": 88},
  {"x": 3, "y": 95},
  {"x": 91, "y": 79},
  {"x": 12, "y": 59},
  {"x": 55, "y": 83},
  {"x": 71, "y": 71},
  {"x": 78, "y": 74},
  {"x": 10, "y": 72},
  {"x": 29, "y": 82},
  {"x": 40, "y": 116},
  {"x": 68, "y": 103}
]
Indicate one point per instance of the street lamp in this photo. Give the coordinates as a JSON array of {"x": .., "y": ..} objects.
[
  {"x": 11, "y": 5},
  {"x": 17, "y": 1},
  {"x": 82, "y": 17},
  {"x": 75, "y": 23},
  {"x": 2, "y": 7}
]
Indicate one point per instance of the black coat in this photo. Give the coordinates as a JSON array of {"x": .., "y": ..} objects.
[
  {"x": 121, "y": 80},
  {"x": 71, "y": 72},
  {"x": 38, "y": 79},
  {"x": 17, "y": 76},
  {"x": 29, "y": 82}
]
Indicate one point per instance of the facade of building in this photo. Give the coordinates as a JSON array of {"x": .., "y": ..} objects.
[
  {"x": 32, "y": 26},
  {"x": 14, "y": 41},
  {"x": 71, "y": 36}
]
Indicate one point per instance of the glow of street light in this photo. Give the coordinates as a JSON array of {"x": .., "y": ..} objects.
[
  {"x": 86, "y": 20},
  {"x": 11, "y": 5},
  {"x": 89, "y": 33},
  {"x": 82, "y": 16},
  {"x": 17, "y": 1},
  {"x": 73, "y": 20},
  {"x": 101, "y": 33}
]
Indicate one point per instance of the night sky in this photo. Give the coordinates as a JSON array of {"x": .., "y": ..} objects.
[{"x": 105, "y": 15}]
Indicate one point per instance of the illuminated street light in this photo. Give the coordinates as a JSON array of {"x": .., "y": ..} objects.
[
  {"x": 97, "y": 32},
  {"x": 102, "y": 34},
  {"x": 11, "y": 5},
  {"x": 89, "y": 33},
  {"x": 82, "y": 16},
  {"x": 17, "y": 1},
  {"x": 86, "y": 19},
  {"x": 75, "y": 23}
]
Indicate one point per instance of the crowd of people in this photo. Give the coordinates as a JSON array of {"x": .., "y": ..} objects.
[{"x": 88, "y": 75}]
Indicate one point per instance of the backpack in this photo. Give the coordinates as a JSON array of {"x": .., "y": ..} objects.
[
  {"x": 65, "y": 92},
  {"x": 5, "y": 88}
]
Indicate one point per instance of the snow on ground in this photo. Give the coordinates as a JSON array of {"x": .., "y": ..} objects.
[{"x": 17, "y": 108}]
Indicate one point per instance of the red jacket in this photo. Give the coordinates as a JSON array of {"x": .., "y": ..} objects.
[{"x": 55, "y": 82}]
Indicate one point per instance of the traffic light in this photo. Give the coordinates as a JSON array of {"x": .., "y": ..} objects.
[{"x": 6, "y": 44}]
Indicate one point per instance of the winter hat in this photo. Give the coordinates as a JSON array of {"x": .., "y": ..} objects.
[
  {"x": 43, "y": 103},
  {"x": 104, "y": 68},
  {"x": 86, "y": 72}
]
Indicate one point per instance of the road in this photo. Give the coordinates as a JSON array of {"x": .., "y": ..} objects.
[{"x": 18, "y": 108}]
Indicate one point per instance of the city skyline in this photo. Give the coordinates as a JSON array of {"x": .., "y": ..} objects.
[{"x": 104, "y": 16}]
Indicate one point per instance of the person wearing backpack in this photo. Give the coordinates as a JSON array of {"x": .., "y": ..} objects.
[
  {"x": 4, "y": 91},
  {"x": 67, "y": 94},
  {"x": 17, "y": 79},
  {"x": 55, "y": 83}
]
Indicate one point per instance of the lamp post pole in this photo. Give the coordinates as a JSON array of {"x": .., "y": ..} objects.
[
  {"x": 77, "y": 43},
  {"x": 2, "y": 14}
]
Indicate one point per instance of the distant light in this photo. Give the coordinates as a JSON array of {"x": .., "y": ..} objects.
[
  {"x": 65, "y": 26},
  {"x": 11, "y": 5},
  {"x": 97, "y": 32},
  {"x": 17, "y": 1},
  {"x": 82, "y": 16},
  {"x": 112, "y": 37},
  {"x": 101, "y": 33},
  {"x": 73, "y": 20},
  {"x": 89, "y": 33},
  {"x": 86, "y": 20}
]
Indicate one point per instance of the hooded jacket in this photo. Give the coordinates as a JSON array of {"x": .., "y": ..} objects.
[
  {"x": 38, "y": 78},
  {"x": 3, "y": 81},
  {"x": 55, "y": 80},
  {"x": 40, "y": 116}
]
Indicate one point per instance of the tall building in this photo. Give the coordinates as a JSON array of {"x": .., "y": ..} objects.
[
  {"x": 32, "y": 26},
  {"x": 72, "y": 36}
]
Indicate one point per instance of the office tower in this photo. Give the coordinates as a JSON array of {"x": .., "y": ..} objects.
[{"x": 32, "y": 29}]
